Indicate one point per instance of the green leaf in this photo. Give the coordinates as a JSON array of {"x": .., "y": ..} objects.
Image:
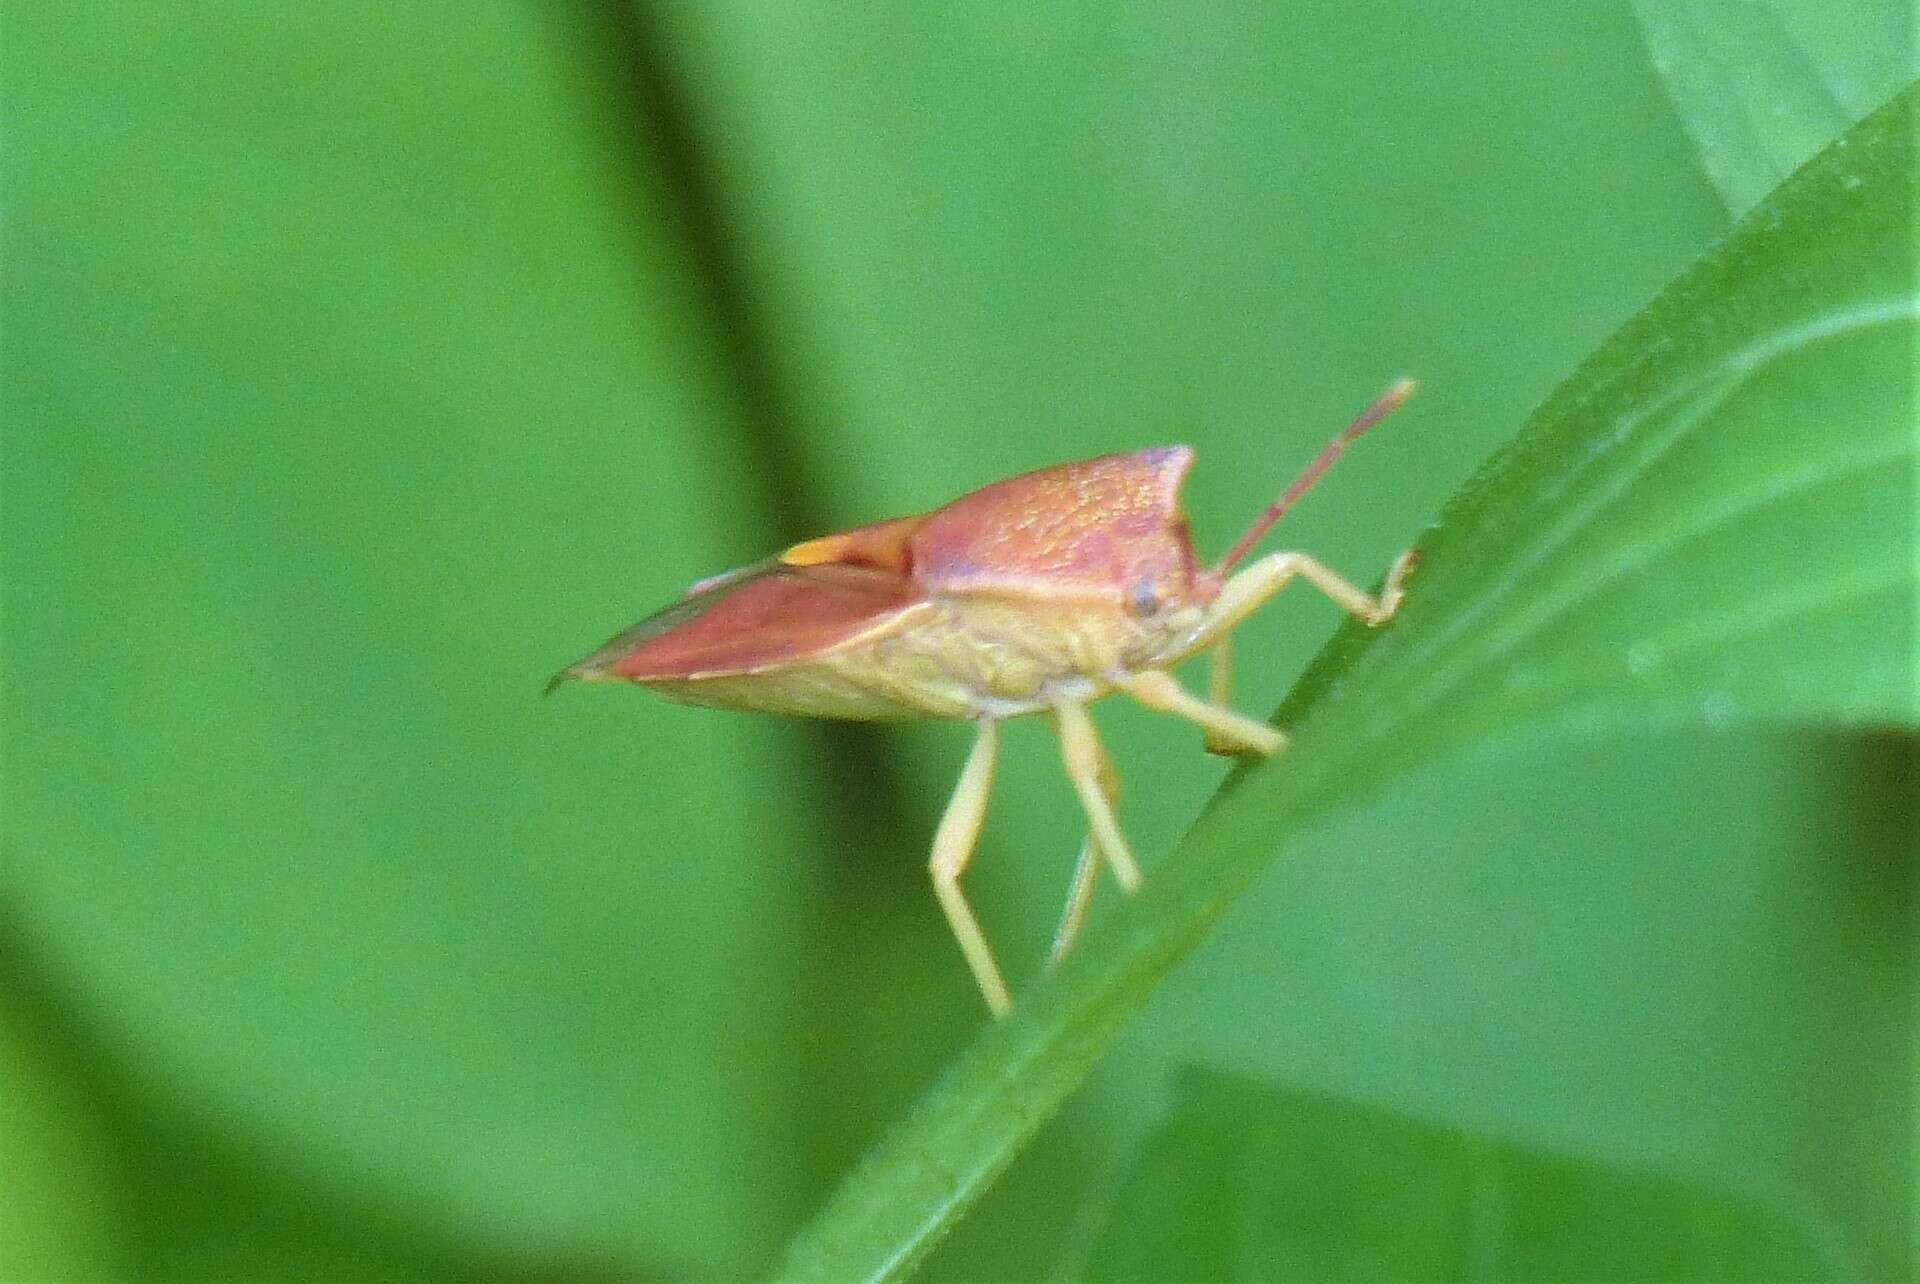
[
  {"x": 1761, "y": 86},
  {"x": 1247, "y": 1182},
  {"x": 1678, "y": 951},
  {"x": 307, "y": 315},
  {"x": 360, "y": 369},
  {"x": 58, "y": 1204},
  {"x": 1703, "y": 525}
]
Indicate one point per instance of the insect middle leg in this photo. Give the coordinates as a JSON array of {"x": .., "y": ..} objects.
[
  {"x": 1080, "y": 748},
  {"x": 953, "y": 845},
  {"x": 1220, "y": 692},
  {"x": 1086, "y": 873}
]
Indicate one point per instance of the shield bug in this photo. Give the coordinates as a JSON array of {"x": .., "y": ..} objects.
[{"x": 1035, "y": 595}]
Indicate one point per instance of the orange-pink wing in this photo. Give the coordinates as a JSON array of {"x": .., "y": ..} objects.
[
  {"x": 752, "y": 619},
  {"x": 1097, "y": 530}
]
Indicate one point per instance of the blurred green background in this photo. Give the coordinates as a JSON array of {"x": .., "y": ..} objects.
[{"x": 365, "y": 364}]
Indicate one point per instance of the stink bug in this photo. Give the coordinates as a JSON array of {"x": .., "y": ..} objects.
[{"x": 1038, "y": 594}]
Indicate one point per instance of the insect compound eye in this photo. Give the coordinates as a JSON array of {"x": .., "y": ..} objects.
[{"x": 1141, "y": 599}]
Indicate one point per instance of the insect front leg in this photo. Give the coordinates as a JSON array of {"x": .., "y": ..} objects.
[
  {"x": 1242, "y": 594},
  {"x": 953, "y": 845},
  {"x": 1227, "y": 732}
]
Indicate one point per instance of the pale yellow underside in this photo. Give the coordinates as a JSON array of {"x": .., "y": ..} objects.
[{"x": 952, "y": 658}]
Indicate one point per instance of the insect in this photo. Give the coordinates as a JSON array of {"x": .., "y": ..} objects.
[{"x": 1035, "y": 595}]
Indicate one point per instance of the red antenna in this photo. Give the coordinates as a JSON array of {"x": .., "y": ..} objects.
[{"x": 1383, "y": 405}]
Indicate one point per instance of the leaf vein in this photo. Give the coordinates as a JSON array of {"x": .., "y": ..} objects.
[
  {"x": 1651, "y": 552},
  {"x": 1728, "y": 374}
]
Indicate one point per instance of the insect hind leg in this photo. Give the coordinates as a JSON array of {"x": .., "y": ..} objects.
[{"x": 1086, "y": 873}]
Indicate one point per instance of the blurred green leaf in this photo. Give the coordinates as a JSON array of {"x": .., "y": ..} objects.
[
  {"x": 104, "y": 1182},
  {"x": 1697, "y": 527},
  {"x": 60, "y": 1200},
  {"x": 1679, "y": 951},
  {"x": 1764, "y": 84},
  {"x": 308, "y": 314},
  {"x": 360, "y": 368},
  {"x": 1246, "y": 1182}
]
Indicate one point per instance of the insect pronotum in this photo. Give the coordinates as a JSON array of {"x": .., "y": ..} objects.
[{"x": 1035, "y": 595}]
